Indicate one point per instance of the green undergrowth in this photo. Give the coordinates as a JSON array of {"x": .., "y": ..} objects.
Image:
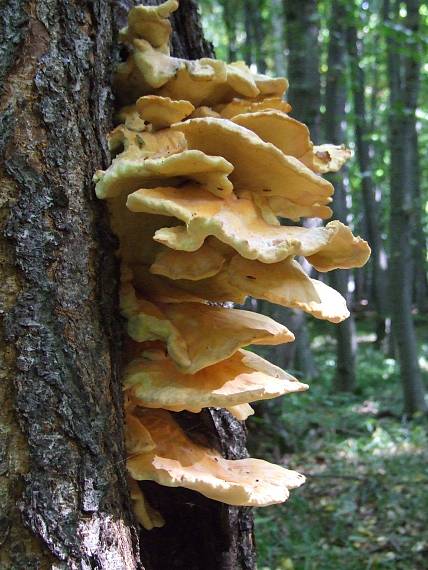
[{"x": 365, "y": 503}]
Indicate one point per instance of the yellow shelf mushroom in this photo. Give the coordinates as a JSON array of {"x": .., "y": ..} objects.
[
  {"x": 284, "y": 283},
  {"x": 179, "y": 462},
  {"x": 205, "y": 160},
  {"x": 237, "y": 222},
  {"x": 203, "y": 263},
  {"x": 161, "y": 157},
  {"x": 293, "y": 138},
  {"x": 242, "y": 378},
  {"x": 199, "y": 335},
  {"x": 240, "y": 106},
  {"x": 145, "y": 514},
  {"x": 150, "y": 23},
  {"x": 162, "y": 112},
  {"x": 259, "y": 167}
]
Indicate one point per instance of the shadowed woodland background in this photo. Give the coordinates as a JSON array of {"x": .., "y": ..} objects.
[{"x": 358, "y": 75}]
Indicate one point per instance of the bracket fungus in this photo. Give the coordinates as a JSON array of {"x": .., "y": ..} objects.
[
  {"x": 206, "y": 161},
  {"x": 179, "y": 462},
  {"x": 293, "y": 138},
  {"x": 179, "y": 326},
  {"x": 259, "y": 167},
  {"x": 242, "y": 378},
  {"x": 162, "y": 112}
]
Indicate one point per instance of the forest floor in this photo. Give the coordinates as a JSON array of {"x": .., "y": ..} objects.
[{"x": 365, "y": 502}]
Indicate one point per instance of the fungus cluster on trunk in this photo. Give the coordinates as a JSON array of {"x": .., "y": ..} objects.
[{"x": 206, "y": 161}]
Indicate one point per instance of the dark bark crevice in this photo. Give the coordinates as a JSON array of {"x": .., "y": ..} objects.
[{"x": 201, "y": 534}]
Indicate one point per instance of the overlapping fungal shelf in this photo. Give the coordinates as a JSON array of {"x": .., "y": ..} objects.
[{"x": 206, "y": 161}]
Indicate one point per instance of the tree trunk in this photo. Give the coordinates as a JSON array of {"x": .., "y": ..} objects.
[
  {"x": 277, "y": 25},
  {"x": 201, "y": 534},
  {"x": 403, "y": 62},
  {"x": 296, "y": 356},
  {"x": 420, "y": 288},
  {"x": 248, "y": 48},
  {"x": 259, "y": 33},
  {"x": 64, "y": 498},
  {"x": 370, "y": 205},
  {"x": 305, "y": 361},
  {"x": 335, "y": 101},
  {"x": 253, "y": 48},
  {"x": 230, "y": 9},
  {"x": 302, "y": 31}
]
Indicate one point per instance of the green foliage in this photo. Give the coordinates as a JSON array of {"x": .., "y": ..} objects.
[{"x": 365, "y": 503}]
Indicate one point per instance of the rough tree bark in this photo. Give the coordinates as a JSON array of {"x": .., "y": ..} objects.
[
  {"x": 63, "y": 493},
  {"x": 335, "y": 101},
  {"x": 403, "y": 64}
]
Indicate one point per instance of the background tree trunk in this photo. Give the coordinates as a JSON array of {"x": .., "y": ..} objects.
[
  {"x": 259, "y": 33},
  {"x": 302, "y": 26},
  {"x": 403, "y": 77},
  {"x": 335, "y": 112},
  {"x": 420, "y": 267},
  {"x": 248, "y": 47},
  {"x": 230, "y": 13},
  {"x": 277, "y": 25},
  {"x": 370, "y": 205},
  {"x": 64, "y": 499},
  {"x": 302, "y": 35}
]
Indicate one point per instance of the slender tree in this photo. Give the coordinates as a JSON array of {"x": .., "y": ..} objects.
[
  {"x": 420, "y": 290},
  {"x": 230, "y": 15},
  {"x": 403, "y": 64},
  {"x": 248, "y": 47},
  {"x": 259, "y": 28},
  {"x": 335, "y": 117},
  {"x": 419, "y": 240},
  {"x": 255, "y": 34},
  {"x": 370, "y": 204},
  {"x": 278, "y": 43},
  {"x": 302, "y": 35}
]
